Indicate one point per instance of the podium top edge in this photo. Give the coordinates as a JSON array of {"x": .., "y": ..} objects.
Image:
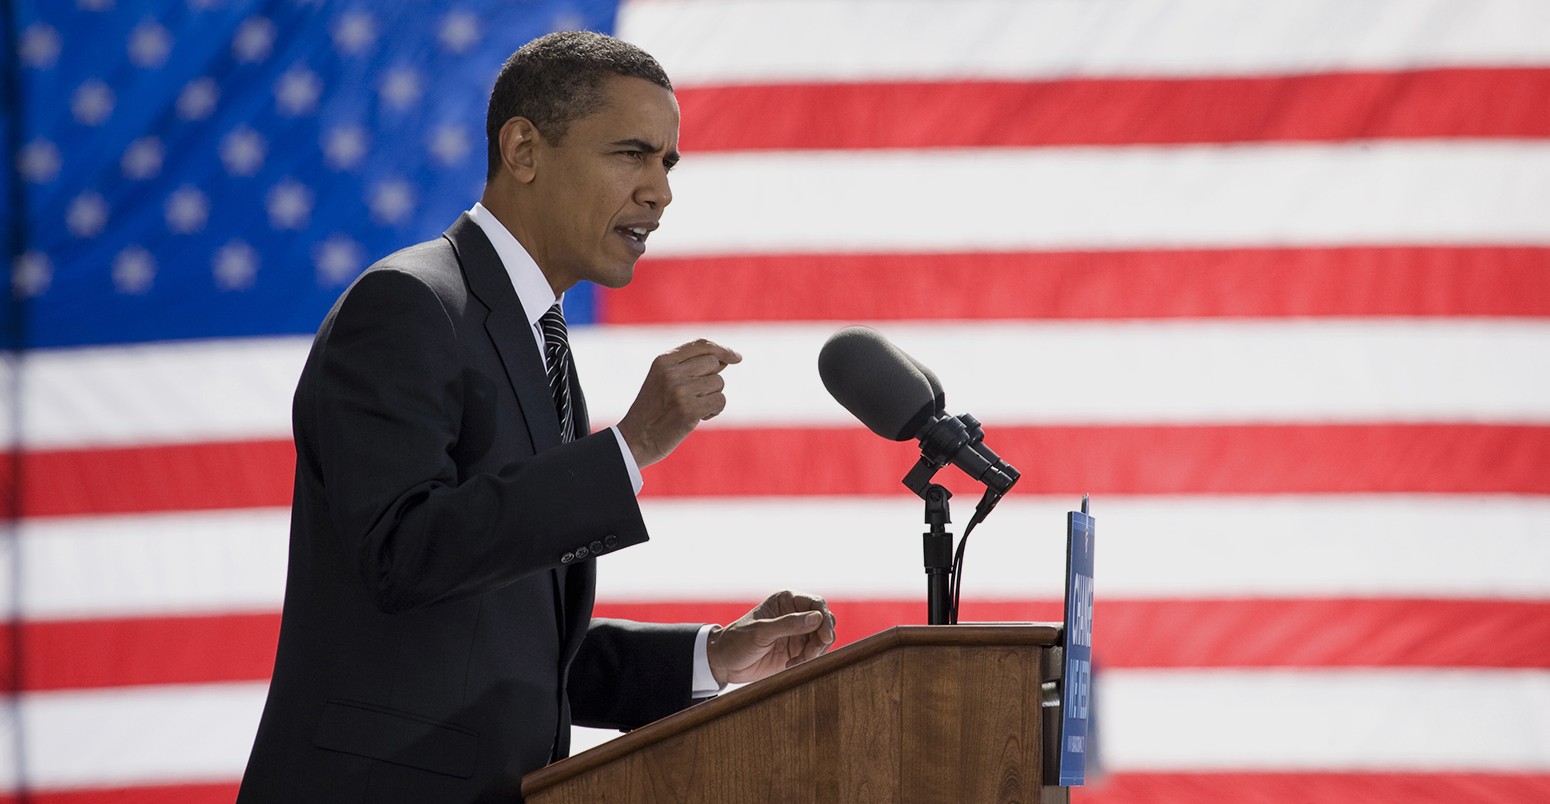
[{"x": 1036, "y": 634}]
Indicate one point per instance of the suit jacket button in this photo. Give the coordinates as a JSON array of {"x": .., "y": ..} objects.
[
  {"x": 609, "y": 541},
  {"x": 597, "y": 547},
  {"x": 567, "y": 558},
  {"x": 581, "y": 552}
]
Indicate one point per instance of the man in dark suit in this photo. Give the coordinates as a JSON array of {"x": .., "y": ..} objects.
[{"x": 450, "y": 500}]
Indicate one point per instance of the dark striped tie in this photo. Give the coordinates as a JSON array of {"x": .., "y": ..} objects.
[{"x": 557, "y": 354}]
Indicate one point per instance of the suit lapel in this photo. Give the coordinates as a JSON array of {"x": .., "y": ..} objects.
[
  {"x": 509, "y": 331},
  {"x": 513, "y": 339}
]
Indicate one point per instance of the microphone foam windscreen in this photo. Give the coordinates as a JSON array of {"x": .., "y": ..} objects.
[
  {"x": 877, "y": 382},
  {"x": 939, "y": 400}
]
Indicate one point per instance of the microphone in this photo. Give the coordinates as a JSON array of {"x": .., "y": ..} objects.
[{"x": 898, "y": 398}]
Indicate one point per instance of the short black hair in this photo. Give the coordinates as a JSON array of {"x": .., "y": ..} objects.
[{"x": 557, "y": 79}]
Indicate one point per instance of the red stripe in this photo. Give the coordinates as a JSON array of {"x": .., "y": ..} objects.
[
  {"x": 1118, "y": 459},
  {"x": 74, "y": 654},
  {"x": 1117, "y": 788},
  {"x": 157, "y": 794},
  {"x": 1182, "y": 459},
  {"x": 1188, "y": 283},
  {"x": 1299, "y": 633},
  {"x": 167, "y": 477},
  {"x": 1299, "y": 788},
  {"x": 1461, "y": 102}
]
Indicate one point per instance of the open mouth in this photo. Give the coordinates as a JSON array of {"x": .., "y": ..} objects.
[{"x": 635, "y": 233}]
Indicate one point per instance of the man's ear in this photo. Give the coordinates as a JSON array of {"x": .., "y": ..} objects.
[{"x": 518, "y": 138}]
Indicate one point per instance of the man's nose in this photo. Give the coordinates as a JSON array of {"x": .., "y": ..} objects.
[{"x": 656, "y": 192}]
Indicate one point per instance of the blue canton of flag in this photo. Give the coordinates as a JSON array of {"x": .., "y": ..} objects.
[{"x": 206, "y": 168}]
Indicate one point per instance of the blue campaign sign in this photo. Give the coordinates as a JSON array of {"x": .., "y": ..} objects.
[{"x": 1077, "y": 703}]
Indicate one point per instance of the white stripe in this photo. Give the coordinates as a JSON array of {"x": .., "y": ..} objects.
[
  {"x": 138, "y": 565},
  {"x": 1379, "y": 545},
  {"x": 718, "y": 41},
  {"x": 8, "y": 393},
  {"x": 9, "y": 728},
  {"x": 853, "y": 548},
  {"x": 1005, "y": 373},
  {"x": 161, "y": 393},
  {"x": 1427, "y": 721},
  {"x": 1437, "y": 192},
  {"x": 1210, "y": 372},
  {"x": 140, "y": 735},
  {"x": 1149, "y": 720}
]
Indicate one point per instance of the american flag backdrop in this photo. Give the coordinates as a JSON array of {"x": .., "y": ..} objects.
[{"x": 1270, "y": 280}]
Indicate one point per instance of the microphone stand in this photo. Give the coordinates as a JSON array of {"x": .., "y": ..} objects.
[{"x": 937, "y": 542}]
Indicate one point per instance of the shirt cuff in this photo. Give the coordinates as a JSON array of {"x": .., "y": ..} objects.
[
  {"x": 704, "y": 680},
  {"x": 629, "y": 464}
]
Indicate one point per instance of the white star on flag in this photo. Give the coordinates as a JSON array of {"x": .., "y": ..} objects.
[
  {"x": 459, "y": 31},
  {"x": 197, "y": 100},
  {"x": 30, "y": 274},
  {"x": 149, "y": 44},
  {"x": 392, "y": 201},
  {"x": 92, "y": 102},
  {"x": 39, "y": 161},
  {"x": 254, "y": 40},
  {"x": 87, "y": 214},
  {"x": 338, "y": 260},
  {"x": 401, "y": 88},
  {"x": 289, "y": 205},
  {"x": 187, "y": 210},
  {"x": 449, "y": 144},
  {"x": 242, "y": 151},
  {"x": 298, "y": 91},
  {"x": 39, "y": 46},
  {"x": 344, "y": 147},
  {"x": 133, "y": 270},
  {"x": 143, "y": 158},
  {"x": 235, "y": 266},
  {"x": 355, "y": 32}
]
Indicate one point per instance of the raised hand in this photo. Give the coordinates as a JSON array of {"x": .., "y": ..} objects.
[{"x": 682, "y": 388}]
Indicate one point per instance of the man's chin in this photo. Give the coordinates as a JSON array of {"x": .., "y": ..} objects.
[{"x": 615, "y": 278}]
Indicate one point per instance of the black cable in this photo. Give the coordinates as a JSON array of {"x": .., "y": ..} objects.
[{"x": 982, "y": 510}]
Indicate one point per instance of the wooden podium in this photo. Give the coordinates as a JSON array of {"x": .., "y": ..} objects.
[{"x": 946, "y": 713}]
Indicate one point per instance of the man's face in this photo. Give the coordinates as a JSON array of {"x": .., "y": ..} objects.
[{"x": 602, "y": 190}]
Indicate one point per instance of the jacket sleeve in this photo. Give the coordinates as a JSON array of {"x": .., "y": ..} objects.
[
  {"x": 389, "y": 401},
  {"x": 628, "y": 674}
]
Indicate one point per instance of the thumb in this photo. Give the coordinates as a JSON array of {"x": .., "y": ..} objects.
[{"x": 793, "y": 624}]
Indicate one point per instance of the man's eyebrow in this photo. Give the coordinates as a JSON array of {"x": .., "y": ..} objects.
[{"x": 636, "y": 144}]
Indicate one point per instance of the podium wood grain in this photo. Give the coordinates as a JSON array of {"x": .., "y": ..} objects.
[{"x": 914, "y": 714}]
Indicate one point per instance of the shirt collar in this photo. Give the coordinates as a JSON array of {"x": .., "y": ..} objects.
[{"x": 527, "y": 279}]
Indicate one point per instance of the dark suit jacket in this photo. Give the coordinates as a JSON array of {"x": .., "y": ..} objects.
[{"x": 441, "y": 557}]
